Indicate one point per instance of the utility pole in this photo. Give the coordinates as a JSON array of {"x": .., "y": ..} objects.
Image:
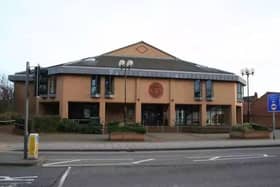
[{"x": 26, "y": 109}]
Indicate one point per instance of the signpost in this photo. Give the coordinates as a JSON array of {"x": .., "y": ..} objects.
[{"x": 273, "y": 105}]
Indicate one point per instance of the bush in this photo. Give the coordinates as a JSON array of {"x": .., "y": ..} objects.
[
  {"x": 68, "y": 125},
  {"x": 130, "y": 127},
  {"x": 249, "y": 127},
  {"x": 9, "y": 116},
  {"x": 45, "y": 123}
]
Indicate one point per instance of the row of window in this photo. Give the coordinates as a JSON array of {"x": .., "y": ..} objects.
[
  {"x": 95, "y": 86},
  {"x": 198, "y": 89},
  {"x": 190, "y": 115}
]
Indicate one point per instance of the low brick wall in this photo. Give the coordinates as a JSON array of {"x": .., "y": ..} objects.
[
  {"x": 126, "y": 136},
  {"x": 192, "y": 129},
  {"x": 250, "y": 135}
]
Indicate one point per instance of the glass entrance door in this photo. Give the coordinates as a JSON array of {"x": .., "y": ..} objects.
[{"x": 153, "y": 115}]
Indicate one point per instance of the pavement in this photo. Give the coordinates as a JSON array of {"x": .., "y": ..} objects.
[{"x": 66, "y": 142}]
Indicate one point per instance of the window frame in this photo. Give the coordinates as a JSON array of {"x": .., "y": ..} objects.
[
  {"x": 52, "y": 86},
  {"x": 197, "y": 89},
  {"x": 96, "y": 79},
  {"x": 109, "y": 87},
  {"x": 209, "y": 91},
  {"x": 240, "y": 92}
]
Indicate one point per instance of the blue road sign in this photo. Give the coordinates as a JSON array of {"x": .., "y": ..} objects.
[{"x": 273, "y": 102}]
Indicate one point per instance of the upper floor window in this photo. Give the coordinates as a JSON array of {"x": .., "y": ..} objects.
[
  {"x": 197, "y": 89},
  {"x": 95, "y": 85},
  {"x": 240, "y": 92},
  {"x": 209, "y": 89},
  {"x": 109, "y": 86},
  {"x": 52, "y": 85}
]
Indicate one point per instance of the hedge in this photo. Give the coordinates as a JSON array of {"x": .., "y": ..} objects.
[
  {"x": 55, "y": 124},
  {"x": 247, "y": 127},
  {"x": 130, "y": 127}
]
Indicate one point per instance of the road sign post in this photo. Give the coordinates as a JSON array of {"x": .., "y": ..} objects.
[{"x": 273, "y": 105}]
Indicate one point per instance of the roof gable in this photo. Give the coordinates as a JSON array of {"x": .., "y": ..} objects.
[{"x": 140, "y": 49}]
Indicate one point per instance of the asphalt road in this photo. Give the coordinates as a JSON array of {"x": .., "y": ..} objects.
[{"x": 227, "y": 167}]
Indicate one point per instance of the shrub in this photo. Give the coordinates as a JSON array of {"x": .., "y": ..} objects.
[
  {"x": 91, "y": 127},
  {"x": 45, "y": 123},
  {"x": 249, "y": 127},
  {"x": 9, "y": 116},
  {"x": 130, "y": 127},
  {"x": 67, "y": 125}
]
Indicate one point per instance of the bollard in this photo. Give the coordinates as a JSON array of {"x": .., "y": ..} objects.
[{"x": 33, "y": 146}]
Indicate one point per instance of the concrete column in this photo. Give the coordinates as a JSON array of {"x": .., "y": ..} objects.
[
  {"x": 172, "y": 114},
  {"x": 203, "y": 115},
  {"x": 138, "y": 112},
  {"x": 102, "y": 112},
  {"x": 233, "y": 115},
  {"x": 172, "y": 110},
  {"x": 138, "y": 104},
  {"x": 63, "y": 109}
]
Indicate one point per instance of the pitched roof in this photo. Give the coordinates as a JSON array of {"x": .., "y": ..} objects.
[
  {"x": 145, "y": 63},
  {"x": 149, "y": 61},
  {"x": 140, "y": 49}
]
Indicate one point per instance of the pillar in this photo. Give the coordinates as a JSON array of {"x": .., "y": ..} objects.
[
  {"x": 138, "y": 104},
  {"x": 102, "y": 112},
  {"x": 233, "y": 115},
  {"x": 63, "y": 109},
  {"x": 172, "y": 114},
  {"x": 203, "y": 115},
  {"x": 138, "y": 113}
]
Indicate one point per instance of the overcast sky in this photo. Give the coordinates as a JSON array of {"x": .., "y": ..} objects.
[{"x": 225, "y": 34}]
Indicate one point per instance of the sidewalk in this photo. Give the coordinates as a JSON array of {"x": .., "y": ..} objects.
[{"x": 153, "y": 142}]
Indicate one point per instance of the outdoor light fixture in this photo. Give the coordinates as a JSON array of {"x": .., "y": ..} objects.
[
  {"x": 248, "y": 72},
  {"x": 125, "y": 65}
]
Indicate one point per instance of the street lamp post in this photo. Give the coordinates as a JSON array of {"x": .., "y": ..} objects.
[
  {"x": 125, "y": 65},
  {"x": 248, "y": 72}
]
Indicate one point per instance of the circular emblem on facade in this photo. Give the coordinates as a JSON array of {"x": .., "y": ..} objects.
[
  {"x": 156, "y": 90},
  {"x": 142, "y": 49}
]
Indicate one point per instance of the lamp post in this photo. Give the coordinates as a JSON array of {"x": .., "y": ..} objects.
[
  {"x": 125, "y": 65},
  {"x": 248, "y": 72}
]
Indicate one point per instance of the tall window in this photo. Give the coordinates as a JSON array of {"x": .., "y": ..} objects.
[
  {"x": 197, "y": 89},
  {"x": 52, "y": 85},
  {"x": 217, "y": 115},
  {"x": 95, "y": 85},
  {"x": 109, "y": 86},
  {"x": 209, "y": 90},
  {"x": 187, "y": 115},
  {"x": 240, "y": 92}
]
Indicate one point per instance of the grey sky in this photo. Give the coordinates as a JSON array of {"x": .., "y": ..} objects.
[{"x": 225, "y": 34}]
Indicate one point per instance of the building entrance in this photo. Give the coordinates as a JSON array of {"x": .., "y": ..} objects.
[{"x": 154, "y": 114}]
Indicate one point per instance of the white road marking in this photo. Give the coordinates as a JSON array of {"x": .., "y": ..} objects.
[
  {"x": 62, "y": 162},
  {"x": 64, "y": 176},
  {"x": 92, "y": 165},
  {"x": 97, "y": 159},
  {"x": 141, "y": 161},
  {"x": 234, "y": 157},
  {"x": 214, "y": 158},
  {"x": 7, "y": 180}
]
